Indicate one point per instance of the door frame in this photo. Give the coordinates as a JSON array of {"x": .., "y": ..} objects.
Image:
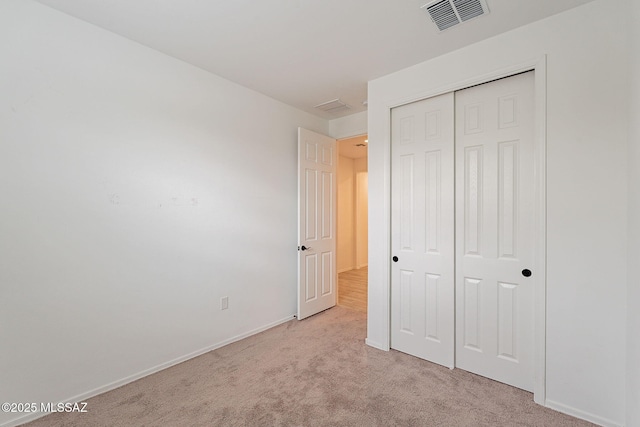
[{"x": 539, "y": 66}]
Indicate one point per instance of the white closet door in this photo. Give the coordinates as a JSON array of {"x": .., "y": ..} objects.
[
  {"x": 422, "y": 229},
  {"x": 494, "y": 230}
]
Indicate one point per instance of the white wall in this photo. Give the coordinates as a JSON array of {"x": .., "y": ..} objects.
[
  {"x": 633, "y": 295},
  {"x": 346, "y": 215},
  {"x": 347, "y": 126},
  {"x": 586, "y": 193},
  {"x": 136, "y": 191}
]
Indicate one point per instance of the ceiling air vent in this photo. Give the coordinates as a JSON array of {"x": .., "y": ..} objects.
[
  {"x": 334, "y": 106},
  {"x": 447, "y": 13}
]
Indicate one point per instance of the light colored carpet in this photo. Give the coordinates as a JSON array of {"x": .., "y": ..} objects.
[{"x": 315, "y": 372}]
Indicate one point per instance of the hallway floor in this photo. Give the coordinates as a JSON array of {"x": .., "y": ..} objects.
[{"x": 352, "y": 289}]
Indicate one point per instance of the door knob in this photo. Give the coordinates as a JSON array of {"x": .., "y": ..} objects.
[
  {"x": 304, "y": 248},
  {"x": 395, "y": 259},
  {"x": 526, "y": 272}
]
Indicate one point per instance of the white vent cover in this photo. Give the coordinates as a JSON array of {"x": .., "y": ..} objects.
[
  {"x": 447, "y": 13},
  {"x": 334, "y": 106}
]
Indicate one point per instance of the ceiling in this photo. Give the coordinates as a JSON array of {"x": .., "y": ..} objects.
[
  {"x": 301, "y": 52},
  {"x": 354, "y": 148}
]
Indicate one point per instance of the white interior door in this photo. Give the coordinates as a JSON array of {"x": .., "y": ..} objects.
[
  {"x": 494, "y": 230},
  {"x": 316, "y": 222},
  {"x": 422, "y": 229}
]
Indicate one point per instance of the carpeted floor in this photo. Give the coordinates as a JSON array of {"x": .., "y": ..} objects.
[{"x": 315, "y": 372}]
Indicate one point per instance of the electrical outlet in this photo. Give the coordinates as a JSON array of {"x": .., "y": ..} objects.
[{"x": 224, "y": 303}]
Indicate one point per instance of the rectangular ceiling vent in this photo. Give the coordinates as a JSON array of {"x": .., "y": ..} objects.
[
  {"x": 447, "y": 13},
  {"x": 334, "y": 106}
]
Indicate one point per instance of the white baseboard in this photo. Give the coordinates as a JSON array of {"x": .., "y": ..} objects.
[
  {"x": 131, "y": 378},
  {"x": 581, "y": 414},
  {"x": 357, "y": 267}
]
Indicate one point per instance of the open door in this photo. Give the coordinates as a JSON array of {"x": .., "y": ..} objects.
[{"x": 316, "y": 223}]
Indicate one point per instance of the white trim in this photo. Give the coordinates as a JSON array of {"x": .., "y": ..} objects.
[
  {"x": 539, "y": 65},
  {"x": 587, "y": 416},
  {"x": 464, "y": 84},
  {"x": 131, "y": 378},
  {"x": 540, "y": 227}
]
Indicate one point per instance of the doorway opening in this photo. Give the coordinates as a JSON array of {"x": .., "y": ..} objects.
[{"x": 352, "y": 223}]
